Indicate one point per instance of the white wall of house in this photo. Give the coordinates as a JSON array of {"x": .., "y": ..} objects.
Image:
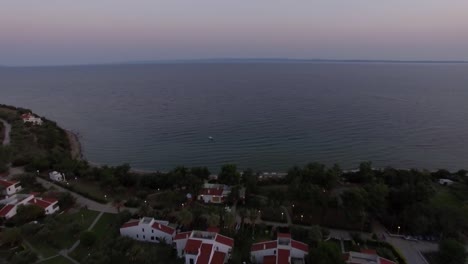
[
  {"x": 145, "y": 232},
  {"x": 258, "y": 255},
  {"x": 53, "y": 208},
  {"x": 12, "y": 189},
  {"x": 296, "y": 253}
]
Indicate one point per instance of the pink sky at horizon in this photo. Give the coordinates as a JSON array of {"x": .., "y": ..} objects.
[{"x": 74, "y": 32}]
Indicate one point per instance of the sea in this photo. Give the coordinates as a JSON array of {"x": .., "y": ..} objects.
[{"x": 264, "y": 116}]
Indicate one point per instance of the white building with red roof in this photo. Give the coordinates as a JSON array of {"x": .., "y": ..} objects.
[
  {"x": 30, "y": 118},
  {"x": 203, "y": 247},
  {"x": 213, "y": 193},
  {"x": 148, "y": 229},
  {"x": 365, "y": 257},
  {"x": 283, "y": 250},
  {"x": 10, "y": 204},
  {"x": 9, "y": 187}
]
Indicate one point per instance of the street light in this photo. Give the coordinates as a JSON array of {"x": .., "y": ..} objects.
[
  {"x": 398, "y": 230},
  {"x": 282, "y": 214}
]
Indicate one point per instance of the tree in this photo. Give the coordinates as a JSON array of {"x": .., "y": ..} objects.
[
  {"x": 11, "y": 236},
  {"x": 377, "y": 198},
  {"x": 229, "y": 175},
  {"x": 354, "y": 203},
  {"x": 326, "y": 253},
  {"x": 250, "y": 181},
  {"x": 315, "y": 234},
  {"x": 366, "y": 173},
  {"x": 451, "y": 252},
  {"x": 229, "y": 220},
  {"x": 88, "y": 238},
  {"x": 28, "y": 213},
  {"x": 200, "y": 172},
  {"x": 212, "y": 220},
  {"x": 185, "y": 217}
]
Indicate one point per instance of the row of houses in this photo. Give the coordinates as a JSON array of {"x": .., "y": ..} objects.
[
  {"x": 197, "y": 247},
  {"x": 9, "y": 205},
  {"x": 210, "y": 247}
]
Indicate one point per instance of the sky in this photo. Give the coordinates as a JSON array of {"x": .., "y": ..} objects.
[{"x": 57, "y": 32}]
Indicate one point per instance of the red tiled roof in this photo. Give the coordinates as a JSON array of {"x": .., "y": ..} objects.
[
  {"x": 164, "y": 228},
  {"x": 369, "y": 251},
  {"x": 26, "y": 116},
  {"x": 130, "y": 224},
  {"x": 386, "y": 261},
  {"x": 283, "y": 256},
  {"x": 264, "y": 245},
  {"x": 299, "y": 245},
  {"x": 40, "y": 203},
  {"x": 283, "y": 235},
  {"x": 205, "y": 254},
  {"x": 211, "y": 191},
  {"x": 7, "y": 183},
  {"x": 192, "y": 246},
  {"x": 225, "y": 240},
  {"x": 183, "y": 235},
  {"x": 6, "y": 209},
  {"x": 50, "y": 200},
  {"x": 218, "y": 258},
  {"x": 269, "y": 259}
]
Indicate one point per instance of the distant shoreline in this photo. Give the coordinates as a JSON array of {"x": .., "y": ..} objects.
[{"x": 243, "y": 60}]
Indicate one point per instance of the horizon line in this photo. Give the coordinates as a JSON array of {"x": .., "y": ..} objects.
[{"x": 241, "y": 60}]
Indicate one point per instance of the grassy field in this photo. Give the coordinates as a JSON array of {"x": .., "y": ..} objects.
[
  {"x": 56, "y": 260},
  {"x": 62, "y": 236},
  {"x": 103, "y": 229}
]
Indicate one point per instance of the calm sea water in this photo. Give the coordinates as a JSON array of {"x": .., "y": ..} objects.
[{"x": 263, "y": 116}]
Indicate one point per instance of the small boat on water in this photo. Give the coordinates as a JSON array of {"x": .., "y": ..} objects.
[{"x": 210, "y": 138}]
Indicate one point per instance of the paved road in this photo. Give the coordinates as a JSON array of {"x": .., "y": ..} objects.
[
  {"x": 92, "y": 205},
  {"x": 6, "y": 140}
]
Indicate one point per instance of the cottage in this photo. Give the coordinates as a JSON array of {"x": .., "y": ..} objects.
[
  {"x": 10, "y": 204},
  {"x": 445, "y": 182},
  {"x": 8, "y": 188},
  {"x": 213, "y": 193},
  {"x": 148, "y": 229},
  {"x": 30, "y": 118},
  {"x": 57, "y": 176},
  {"x": 203, "y": 247},
  {"x": 283, "y": 250}
]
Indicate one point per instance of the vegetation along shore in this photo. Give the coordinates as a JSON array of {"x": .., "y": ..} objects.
[{"x": 402, "y": 215}]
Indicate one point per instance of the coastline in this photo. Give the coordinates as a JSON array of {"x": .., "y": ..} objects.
[{"x": 75, "y": 145}]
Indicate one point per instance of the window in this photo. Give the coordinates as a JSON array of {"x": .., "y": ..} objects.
[
  {"x": 152, "y": 238},
  {"x": 144, "y": 237},
  {"x": 137, "y": 236},
  {"x": 152, "y": 230},
  {"x": 143, "y": 230},
  {"x": 274, "y": 252},
  {"x": 191, "y": 261}
]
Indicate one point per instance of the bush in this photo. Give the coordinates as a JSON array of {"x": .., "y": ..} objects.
[{"x": 24, "y": 257}]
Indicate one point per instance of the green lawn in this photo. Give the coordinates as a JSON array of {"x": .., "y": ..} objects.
[
  {"x": 63, "y": 238},
  {"x": 103, "y": 229},
  {"x": 56, "y": 260}
]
